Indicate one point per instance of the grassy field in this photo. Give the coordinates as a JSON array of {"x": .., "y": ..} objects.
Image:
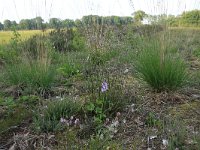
[
  {"x": 5, "y": 36},
  {"x": 85, "y": 89}
]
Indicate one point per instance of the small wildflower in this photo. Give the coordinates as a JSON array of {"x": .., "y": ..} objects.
[
  {"x": 104, "y": 86},
  {"x": 165, "y": 142},
  {"x": 107, "y": 121},
  {"x": 115, "y": 123},
  {"x": 126, "y": 71},
  {"x": 62, "y": 120},
  {"x": 101, "y": 137},
  {"x": 70, "y": 122},
  {"x": 77, "y": 122},
  {"x": 124, "y": 121},
  {"x": 72, "y": 117},
  {"x": 118, "y": 114}
]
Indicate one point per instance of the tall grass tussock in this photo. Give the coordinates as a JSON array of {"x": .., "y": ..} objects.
[{"x": 160, "y": 69}]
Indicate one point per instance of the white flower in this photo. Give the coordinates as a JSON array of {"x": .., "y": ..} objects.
[
  {"x": 77, "y": 122},
  {"x": 72, "y": 117},
  {"x": 115, "y": 123},
  {"x": 62, "y": 120},
  {"x": 124, "y": 121},
  {"x": 126, "y": 71},
  {"x": 165, "y": 142},
  {"x": 118, "y": 114}
]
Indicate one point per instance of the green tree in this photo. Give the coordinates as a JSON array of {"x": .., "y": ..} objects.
[
  {"x": 37, "y": 23},
  {"x": 1, "y": 26},
  {"x": 191, "y": 18},
  {"x": 25, "y": 24},
  {"x": 55, "y": 23},
  {"x": 13, "y": 24},
  {"x": 68, "y": 23},
  {"x": 78, "y": 23},
  {"x": 7, "y": 24},
  {"x": 139, "y": 16}
]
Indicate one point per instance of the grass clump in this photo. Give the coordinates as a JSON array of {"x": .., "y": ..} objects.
[
  {"x": 33, "y": 72},
  {"x": 49, "y": 120},
  {"x": 158, "y": 68}
]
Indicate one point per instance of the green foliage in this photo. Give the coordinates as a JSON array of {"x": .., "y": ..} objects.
[
  {"x": 49, "y": 120},
  {"x": 9, "y": 105},
  {"x": 34, "y": 45},
  {"x": 14, "y": 118},
  {"x": 31, "y": 76},
  {"x": 98, "y": 57},
  {"x": 32, "y": 71},
  {"x": 30, "y": 100},
  {"x": 177, "y": 135},
  {"x": 69, "y": 140},
  {"x": 196, "y": 53},
  {"x": 68, "y": 70},
  {"x": 159, "y": 69},
  {"x": 66, "y": 40},
  {"x": 153, "y": 121},
  {"x": 139, "y": 16},
  {"x": 15, "y": 40},
  {"x": 191, "y": 18},
  {"x": 62, "y": 39},
  {"x": 105, "y": 104}
]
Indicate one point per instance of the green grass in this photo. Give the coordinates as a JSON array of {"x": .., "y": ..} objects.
[
  {"x": 33, "y": 71},
  {"x": 50, "y": 118},
  {"x": 19, "y": 115},
  {"x": 160, "y": 69}
]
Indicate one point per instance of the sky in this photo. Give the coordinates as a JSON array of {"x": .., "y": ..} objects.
[{"x": 75, "y": 9}]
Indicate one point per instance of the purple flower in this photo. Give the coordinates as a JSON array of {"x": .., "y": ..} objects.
[{"x": 104, "y": 86}]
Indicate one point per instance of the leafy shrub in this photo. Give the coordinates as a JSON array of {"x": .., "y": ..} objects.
[
  {"x": 98, "y": 57},
  {"x": 159, "y": 69},
  {"x": 68, "y": 70},
  {"x": 33, "y": 45},
  {"x": 66, "y": 40},
  {"x": 49, "y": 120},
  {"x": 7, "y": 55}
]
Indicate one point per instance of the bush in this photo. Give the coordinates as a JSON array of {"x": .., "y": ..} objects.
[
  {"x": 68, "y": 69},
  {"x": 49, "y": 120},
  {"x": 34, "y": 45},
  {"x": 66, "y": 40},
  {"x": 159, "y": 69}
]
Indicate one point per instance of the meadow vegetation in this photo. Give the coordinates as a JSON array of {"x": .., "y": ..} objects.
[{"x": 101, "y": 87}]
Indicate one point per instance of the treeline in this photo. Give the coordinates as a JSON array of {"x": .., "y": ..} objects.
[
  {"x": 188, "y": 18},
  {"x": 39, "y": 24}
]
